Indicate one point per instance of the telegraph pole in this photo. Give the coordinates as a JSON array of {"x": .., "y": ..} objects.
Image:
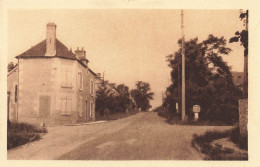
[
  {"x": 183, "y": 70},
  {"x": 245, "y": 82}
]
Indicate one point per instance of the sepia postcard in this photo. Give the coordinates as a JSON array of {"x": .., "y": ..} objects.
[{"x": 129, "y": 83}]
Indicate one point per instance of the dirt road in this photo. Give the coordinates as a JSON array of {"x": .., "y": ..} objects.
[{"x": 143, "y": 136}]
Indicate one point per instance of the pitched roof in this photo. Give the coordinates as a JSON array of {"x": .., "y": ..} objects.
[
  {"x": 40, "y": 49},
  {"x": 61, "y": 51}
]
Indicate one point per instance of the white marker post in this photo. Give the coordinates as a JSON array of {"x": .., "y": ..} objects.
[{"x": 196, "y": 110}]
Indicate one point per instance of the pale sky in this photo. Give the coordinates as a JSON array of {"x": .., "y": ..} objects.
[{"x": 128, "y": 44}]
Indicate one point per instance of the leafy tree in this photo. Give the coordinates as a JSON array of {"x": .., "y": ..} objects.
[
  {"x": 208, "y": 80},
  {"x": 242, "y": 36},
  {"x": 113, "y": 101},
  {"x": 142, "y": 95},
  {"x": 11, "y": 66},
  {"x": 124, "y": 101},
  {"x": 105, "y": 99}
]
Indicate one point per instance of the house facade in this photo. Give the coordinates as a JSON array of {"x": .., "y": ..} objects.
[{"x": 51, "y": 84}]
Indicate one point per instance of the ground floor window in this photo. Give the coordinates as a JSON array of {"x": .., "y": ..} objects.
[
  {"x": 15, "y": 93},
  {"x": 66, "y": 105},
  {"x": 91, "y": 113}
]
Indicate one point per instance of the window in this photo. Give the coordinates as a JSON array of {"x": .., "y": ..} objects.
[
  {"x": 80, "y": 81},
  {"x": 66, "y": 105},
  {"x": 15, "y": 94},
  {"x": 91, "y": 114},
  {"x": 66, "y": 78},
  {"x": 86, "y": 108},
  {"x": 92, "y": 88}
]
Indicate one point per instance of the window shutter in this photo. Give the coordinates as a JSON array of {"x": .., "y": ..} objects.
[
  {"x": 90, "y": 110},
  {"x": 80, "y": 81},
  {"x": 15, "y": 99},
  {"x": 63, "y": 106},
  {"x": 69, "y": 106},
  {"x": 90, "y": 87},
  {"x": 93, "y": 87},
  {"x": 63, "y": 77},
  {"x": 69, "y": 78}
]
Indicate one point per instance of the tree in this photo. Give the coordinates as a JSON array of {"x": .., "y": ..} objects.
[
  {"x": 124, "y": 101},
  {"x": 208, "y": 79},
  {"x": 11, "y": 66},
  {"x": 142, "y": 95},
  {"x": 110, "y": 102},
  {"x": 242, "y": 36},
  {"x": 105, "y": 99}
]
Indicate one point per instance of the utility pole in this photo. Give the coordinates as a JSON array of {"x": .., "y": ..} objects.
[
  {"x": 8, "y": 105},
  {"x": 183, "y": 70},
  {"x": 179, "y": 84},
  {"x": 245, "y": 82},
  {"x": 103, "y": 76}
]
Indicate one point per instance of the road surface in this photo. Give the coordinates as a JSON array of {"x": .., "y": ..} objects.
[{"x": 143, "y": 136}]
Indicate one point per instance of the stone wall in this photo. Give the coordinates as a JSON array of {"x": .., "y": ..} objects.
[
  {"x": 84, "y": 95},
  {"x": 243, "y": 116}
]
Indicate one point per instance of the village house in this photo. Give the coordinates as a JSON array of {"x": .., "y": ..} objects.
[{"x": 51, "y": 84}]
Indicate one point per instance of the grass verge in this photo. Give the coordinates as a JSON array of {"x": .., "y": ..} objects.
[
  {"x": 21, "y": 133},
  {"x": 216, "y": 152},
  {"x": 176, "y": 120}
]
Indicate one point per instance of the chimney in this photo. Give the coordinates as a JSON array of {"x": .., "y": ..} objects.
[
  {"x": 81, "y": 54},
  {"x": 51, "y": 39}
]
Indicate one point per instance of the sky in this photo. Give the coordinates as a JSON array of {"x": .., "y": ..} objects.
[{"x": 129, "y": 45}]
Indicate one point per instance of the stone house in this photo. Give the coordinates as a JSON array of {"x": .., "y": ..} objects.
[{"x": 51, "y": 84}]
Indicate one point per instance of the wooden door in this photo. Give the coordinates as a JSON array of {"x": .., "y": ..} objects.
[{"x": 44, "y": 106}]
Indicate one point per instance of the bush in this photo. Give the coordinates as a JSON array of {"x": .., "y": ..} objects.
[
  {"x": 21, "y": 133},
  {"x": 25, "y": 127},
  {"x": 161, "y": 111},
  {"x": 18, "y": 139},
  {"x": 215, "y": 152}
]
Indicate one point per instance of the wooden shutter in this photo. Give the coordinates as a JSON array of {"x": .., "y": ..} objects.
[
  {"x": 15, "y": 94},
  {"x": 63, "y": 77},
  {"x": 93, "y": 87},
  {"x": 63, "y": 106},
  {"x": 69, "y": 78},
  {"x": 80, "y": 80},
  {"x": 69, "y": 106}
]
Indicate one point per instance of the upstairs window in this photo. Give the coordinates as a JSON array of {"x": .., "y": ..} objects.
[
  {"x": 66, "y": 105},
  {"x": 66, "y": 78},
  {"x": 92, "y": 86},
  {"x": 80, "y": 80}
]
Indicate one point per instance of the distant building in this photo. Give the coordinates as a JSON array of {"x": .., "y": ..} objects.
[{"x": 51, "y": 84}]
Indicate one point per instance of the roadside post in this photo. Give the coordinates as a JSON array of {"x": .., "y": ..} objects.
[{"x": 196, "y": 110}]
